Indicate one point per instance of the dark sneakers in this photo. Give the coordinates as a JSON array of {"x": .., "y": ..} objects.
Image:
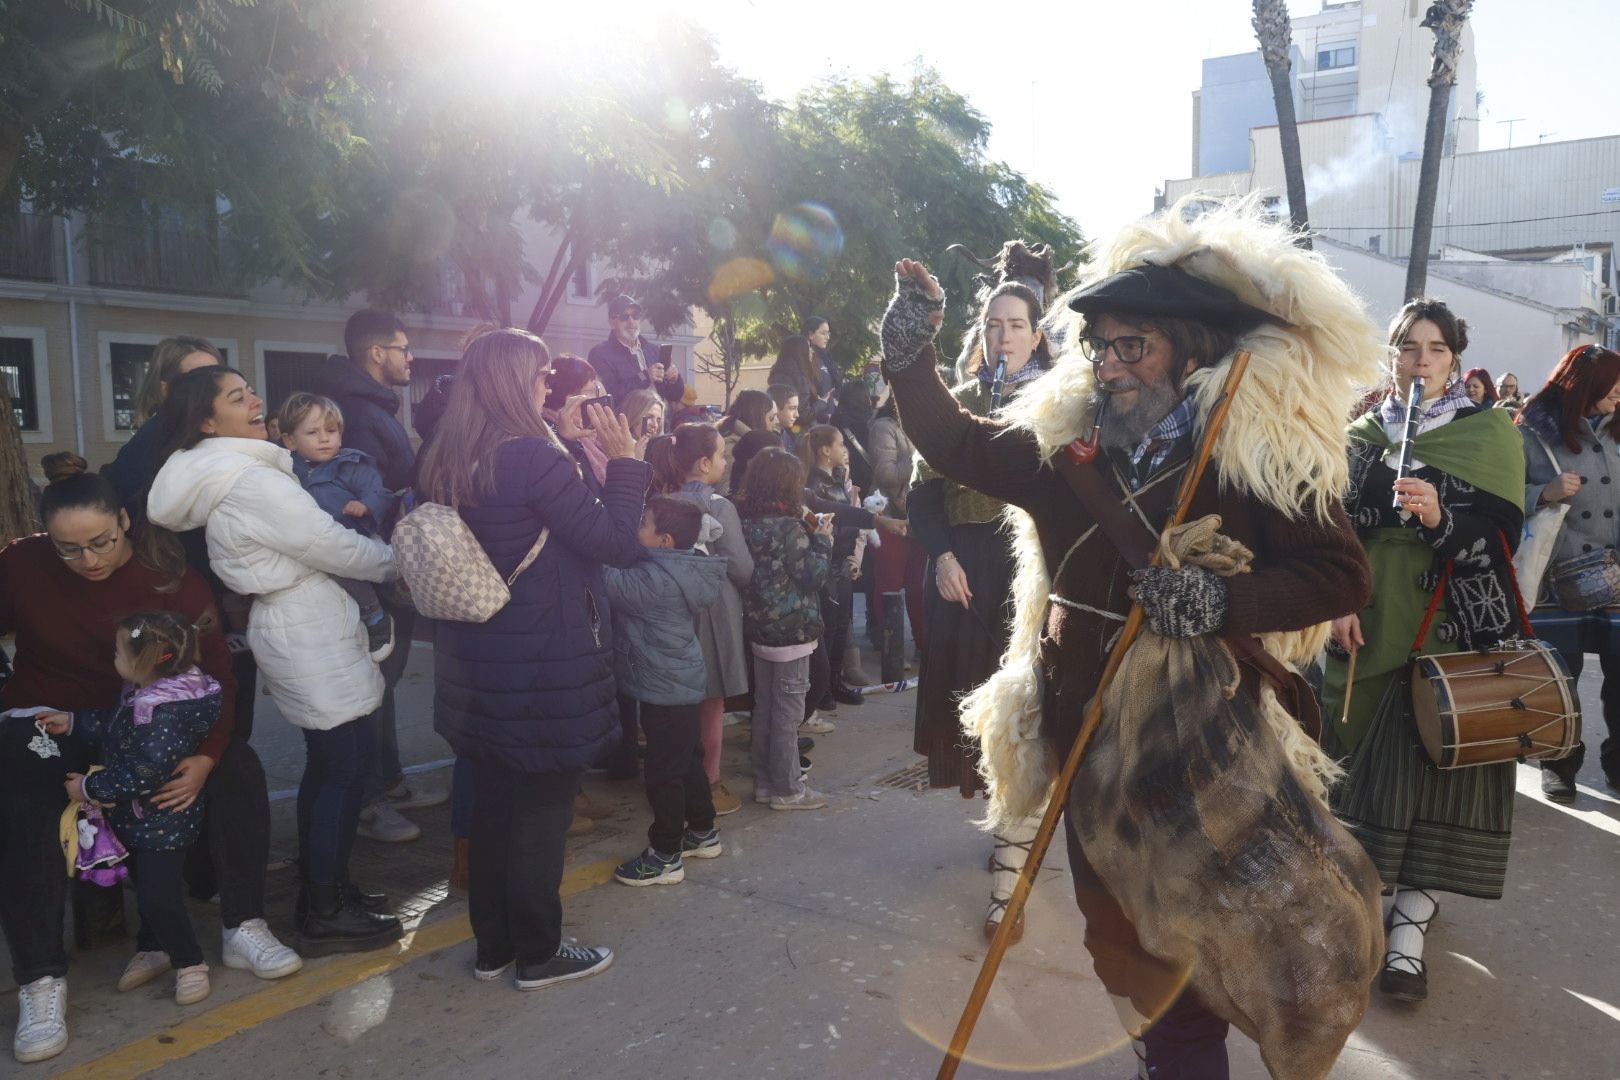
[
  {"x": 571, "y": 962},
  {"x": 651, "y": 868},
  {"x": 701, "y": 845},
  {"x": 844, "y": 695}
]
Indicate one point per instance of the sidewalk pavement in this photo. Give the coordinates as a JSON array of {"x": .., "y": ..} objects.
[{"x": 838, "y": 943}]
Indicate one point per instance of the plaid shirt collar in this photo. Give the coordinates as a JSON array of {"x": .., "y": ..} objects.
[{"x": 1161, "y": 440}]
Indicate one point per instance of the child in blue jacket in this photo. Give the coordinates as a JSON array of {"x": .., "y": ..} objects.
[
  {"x": 167, "y": 706},
  {"x": 658, "y": 661},
  {"x": 347, "y": 485}
]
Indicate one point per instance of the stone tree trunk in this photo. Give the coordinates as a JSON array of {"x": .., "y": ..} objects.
[
  {"x": 1272, "y": 27},
  {"x": 1447, "y": 19}
]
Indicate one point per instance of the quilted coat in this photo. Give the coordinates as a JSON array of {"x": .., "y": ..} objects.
[
  {"x": 268, "y": 539},
  {"x": 658, "y": 659},
  {"x": 533, "y": 686}
]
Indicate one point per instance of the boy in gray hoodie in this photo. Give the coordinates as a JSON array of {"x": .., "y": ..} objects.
[{"x": 658, "y": 661}]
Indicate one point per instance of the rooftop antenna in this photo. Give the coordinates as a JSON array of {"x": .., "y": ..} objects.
[{"x": 1510, "y": 123}]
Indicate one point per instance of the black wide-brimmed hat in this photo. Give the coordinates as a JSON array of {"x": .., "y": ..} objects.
[{"x": 1151, "y": 290}]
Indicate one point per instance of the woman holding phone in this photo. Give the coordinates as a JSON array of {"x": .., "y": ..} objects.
[{"x": 645, "y": 411}]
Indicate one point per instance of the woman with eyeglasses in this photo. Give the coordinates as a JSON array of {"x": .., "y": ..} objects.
[
  {"x": 268, "y": 539},
  {"x": 1572, "y": 456},
  {"x": 62, "y": 593},
  {"x": 1439, "y": 541},
  {"x": 967, "y": 598}
]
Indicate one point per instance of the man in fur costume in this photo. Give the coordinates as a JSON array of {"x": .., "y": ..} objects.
[{"x": 1151, "y": 332}]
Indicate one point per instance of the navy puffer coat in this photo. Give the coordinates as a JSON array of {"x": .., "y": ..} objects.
[{"x": 533, "y": 687}]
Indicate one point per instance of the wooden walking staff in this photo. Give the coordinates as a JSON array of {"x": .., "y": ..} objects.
[{"x": 1049, "y": 820}]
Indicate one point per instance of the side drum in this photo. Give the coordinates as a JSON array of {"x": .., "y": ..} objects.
[{"x": 1513, "y": 703}]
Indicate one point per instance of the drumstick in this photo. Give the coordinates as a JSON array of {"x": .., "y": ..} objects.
[{"x": 1349, "y": 684}]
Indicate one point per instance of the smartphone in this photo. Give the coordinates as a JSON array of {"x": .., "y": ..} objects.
[
  {"x": 606, "y": 401},
  {"x": 665, "y": 354}
]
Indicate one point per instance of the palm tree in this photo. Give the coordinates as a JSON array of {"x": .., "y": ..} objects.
[
  {"x": 1447, "y": 19},
  {"x": 1275, "y": 31}
]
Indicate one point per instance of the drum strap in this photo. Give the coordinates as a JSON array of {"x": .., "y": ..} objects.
[{"x": 1440, "y": 590}]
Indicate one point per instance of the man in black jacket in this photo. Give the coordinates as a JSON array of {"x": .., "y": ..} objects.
[
  {"x": 627, "y": 361},
  {"x": 363, "y": 384}
]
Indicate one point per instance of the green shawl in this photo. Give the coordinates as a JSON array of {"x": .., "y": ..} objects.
[{"x": 1483, "y": 449}]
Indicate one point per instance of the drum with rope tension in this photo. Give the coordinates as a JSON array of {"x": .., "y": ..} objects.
[{"x": 1512, "y": 702}]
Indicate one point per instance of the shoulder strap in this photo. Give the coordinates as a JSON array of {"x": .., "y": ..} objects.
[
  {"x": 534, "y": 553},
  {"x": 1135, "y": 546}
]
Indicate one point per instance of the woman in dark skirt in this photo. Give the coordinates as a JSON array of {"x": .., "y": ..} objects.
[
  {"x": 1426, "y": 830},
  {"x": 967, "y": 602}
]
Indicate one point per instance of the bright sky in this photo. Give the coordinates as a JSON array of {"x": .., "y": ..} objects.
[{"x": 1095, "y": 99}]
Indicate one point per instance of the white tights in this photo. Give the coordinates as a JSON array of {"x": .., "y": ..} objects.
[{"x": 1408, "y": 922}]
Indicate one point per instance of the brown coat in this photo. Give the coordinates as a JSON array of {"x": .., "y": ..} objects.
[{"x": 1304, "y": 572}]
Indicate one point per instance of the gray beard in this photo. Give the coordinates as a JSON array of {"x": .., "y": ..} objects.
[{"x": 1125, "y": 429}]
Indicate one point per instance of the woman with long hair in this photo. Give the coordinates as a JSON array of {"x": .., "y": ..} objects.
[
  {"x": 62, "y": 593},
  {"x": 1449, "y": 527},
  {"x": 967, "y": 601},
  {"x": 528, "y": 696},
  {"x": 900, "y": 561},
  {"x": 268, "y": 539},
  {"x": 750, "y": 410},
  {"x": 1571, "y": 442},
  {"x": 644, "y": 409},
  {"x": 796, "y": 366}
]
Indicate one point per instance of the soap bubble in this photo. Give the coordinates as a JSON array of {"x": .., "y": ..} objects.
[{"x": 804, "y": 241}]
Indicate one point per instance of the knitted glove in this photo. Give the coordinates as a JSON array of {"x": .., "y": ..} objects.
[
  {"x": 1180, "y": 603},
  {"x": 906, "y": 328}
]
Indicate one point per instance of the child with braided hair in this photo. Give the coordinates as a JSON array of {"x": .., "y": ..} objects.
[{"x": 167, "y": 706}]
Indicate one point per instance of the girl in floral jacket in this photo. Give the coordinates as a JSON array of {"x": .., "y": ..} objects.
[
  {"x": 782, "y": 612},
  {"x": 168, "y": 705}
]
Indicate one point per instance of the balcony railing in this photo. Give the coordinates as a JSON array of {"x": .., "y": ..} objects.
[
  {"x": 165, "y": 256},
  {"x": 27, "y": 246}
]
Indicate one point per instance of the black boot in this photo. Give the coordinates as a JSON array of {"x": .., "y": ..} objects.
[
  {"x": 333, "y": 925},
  {"x": 351, "y": 893}
]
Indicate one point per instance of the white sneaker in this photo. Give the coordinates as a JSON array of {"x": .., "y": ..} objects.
[
  {"x": 191, "y": 985},
  {"x": 142, "y": 968},
  {"x": 252, "y": 947},
  {"x": 384, "y": 824},
  {"x": 818, "y": 724},
  {"x": 404, "y": 797},
  {"x": 806, "y": 799},
  {"x": 41, "y": 1020}
]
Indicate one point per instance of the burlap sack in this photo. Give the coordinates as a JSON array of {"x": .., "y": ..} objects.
[{"x": 1194, "y": 809}]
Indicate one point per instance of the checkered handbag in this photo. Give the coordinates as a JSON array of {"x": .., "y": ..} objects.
[{"x": 449, "y": 575}]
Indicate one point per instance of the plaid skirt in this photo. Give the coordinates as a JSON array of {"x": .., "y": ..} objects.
[{"x": 1424, "y": 827}]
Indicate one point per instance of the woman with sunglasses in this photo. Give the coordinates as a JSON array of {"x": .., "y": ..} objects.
[
  {"x": 62, "y": 593},
  {"x": 967, "y": 601},
  {"x": 1572, "y": 455}
]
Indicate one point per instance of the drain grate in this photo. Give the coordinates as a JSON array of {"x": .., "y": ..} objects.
[{"x": 910, "y": 778}]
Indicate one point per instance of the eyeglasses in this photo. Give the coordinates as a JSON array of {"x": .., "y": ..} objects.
[
  {"x": 73, "y": 552},
  {"x": 1129, "y": 349},
  {"x": 628, "y": 316},
  {"x": 406, "y": 349}
]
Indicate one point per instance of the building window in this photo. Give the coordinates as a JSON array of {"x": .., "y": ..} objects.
[
  {"x": 581, "y": 285},
  {"x": 17, "y": 374},
  {"x": 1375, "y": 243},
  {"x": 286, "y": 372},
  {"x": 426, "y": 369},
  {"x": 127, "y": 362},
  {"x": 1342, "y": 57}
]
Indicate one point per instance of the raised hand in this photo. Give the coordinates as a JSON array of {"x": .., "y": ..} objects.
[{"x": 913, "y": 316}]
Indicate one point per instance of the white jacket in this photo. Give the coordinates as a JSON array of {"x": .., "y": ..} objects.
[{"x": 268, "y": 539}]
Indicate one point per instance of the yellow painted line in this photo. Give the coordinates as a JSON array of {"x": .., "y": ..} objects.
[{"x": 305, "y": 988}]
